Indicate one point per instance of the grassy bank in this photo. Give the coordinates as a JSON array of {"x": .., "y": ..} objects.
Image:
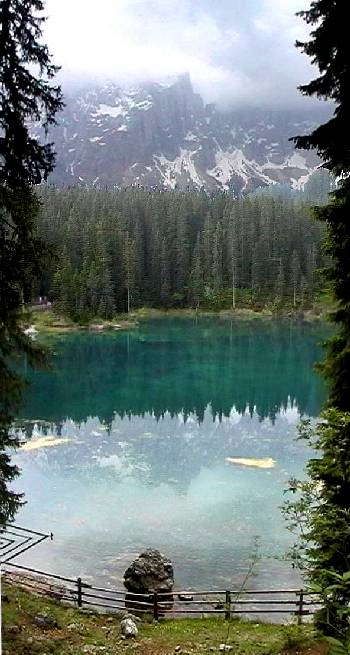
[
  {"x": 76, "y": 632},
  {"x": 50, "y": 323}
]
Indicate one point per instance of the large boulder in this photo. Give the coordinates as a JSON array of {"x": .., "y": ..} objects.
[{"x": 150, "y": 573}]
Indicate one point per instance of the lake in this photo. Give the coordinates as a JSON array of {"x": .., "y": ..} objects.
[{"x": 144, "y": 421}]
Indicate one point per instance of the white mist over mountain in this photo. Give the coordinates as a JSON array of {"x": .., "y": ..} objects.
[
  {"x": 181, "y": 93},
  {"x": 164, "y": 135},
  {"x": 237, "y": 54}
]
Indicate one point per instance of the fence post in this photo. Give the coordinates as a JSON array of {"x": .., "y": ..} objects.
[
  {"x": 80, "y": 594},
  {"x": 228, "y": 605},
  {"x": 300, "y": 606},
  {"x": 155, "y": 606}
]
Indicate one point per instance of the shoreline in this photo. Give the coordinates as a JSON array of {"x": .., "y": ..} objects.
[
  {"x": 63, "y": 590},
  {"x": 38, "y": 624},
  {"x": 47, "y": 322}
]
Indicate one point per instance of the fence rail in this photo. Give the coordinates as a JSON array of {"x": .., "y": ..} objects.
[{"x": 228, "y": 602}]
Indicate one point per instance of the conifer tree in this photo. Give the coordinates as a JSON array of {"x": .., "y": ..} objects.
[
  {"x": 280, "y": 284},
  {"x": 207, "y": 248},
  {"x": 294, "y": 275},
  {"x": 129, "y": 254},
  {"x": 165, "y": 284},
  {"x": 217, "y": 273},
  {"x": 327, "y": 538},
  {"x": 238, "y": 241},
  {"x": 24, "y": 161},
  {"x": 196, "y": 283},
  {"x": 182, "y": 251}
]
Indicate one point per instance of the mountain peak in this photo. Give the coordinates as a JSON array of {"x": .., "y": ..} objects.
[{"x": 163, "y": 134}]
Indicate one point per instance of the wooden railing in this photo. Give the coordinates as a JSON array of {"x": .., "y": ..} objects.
[{"x": 228, "y": 602}]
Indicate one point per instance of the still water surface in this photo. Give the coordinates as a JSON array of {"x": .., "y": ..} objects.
[{"x": 146, "y": 419}]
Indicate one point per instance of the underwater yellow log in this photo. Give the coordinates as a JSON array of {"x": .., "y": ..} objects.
[
  {"x": 263, "y": 463},
  {"x": 43, "y": 442}
]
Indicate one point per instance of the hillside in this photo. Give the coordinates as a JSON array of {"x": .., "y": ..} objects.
[
  {"x": 76, "y": 632},
  {"x": 164, "y": 135}
]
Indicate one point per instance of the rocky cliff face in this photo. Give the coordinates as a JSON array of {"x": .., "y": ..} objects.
[{"x": 164, "y": 135}]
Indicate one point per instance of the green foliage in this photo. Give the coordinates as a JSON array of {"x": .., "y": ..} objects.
[
  {"x": 319, "y": 186},
  {"x": 323, "y": 510},
  {"x": 123, "y": 249},
  {"x": 329, "y": 48},
  {"x": 77, "y": 631},
  {"x": 337, "y": 246},
  {"x": 23, "y": 95},
  {"x": 23, "y": 162},
  {"x": 337, "y": 647},
  {"x": 320, "y": 516}
]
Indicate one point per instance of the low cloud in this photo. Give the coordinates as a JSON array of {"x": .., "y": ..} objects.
[{"x": 236, "y": 53}]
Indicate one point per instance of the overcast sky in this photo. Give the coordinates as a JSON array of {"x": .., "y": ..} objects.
[{"x": 236, "y": 51}]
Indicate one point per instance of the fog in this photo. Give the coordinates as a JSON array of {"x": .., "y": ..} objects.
[{"x": 237, "y": 53}]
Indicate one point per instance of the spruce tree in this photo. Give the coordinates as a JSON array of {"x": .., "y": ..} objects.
[
  {"x": 217, "y": 261},
  {"x": 294, "y": 275},
  {"x": 196, "y": 283},
  {"x": 326, "y": 531},
  {"x": 129, "y": 255},
  {"x": 25, "y": 96}
]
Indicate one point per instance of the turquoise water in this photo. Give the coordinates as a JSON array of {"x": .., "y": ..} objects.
[{"x": 146, "y": 419}]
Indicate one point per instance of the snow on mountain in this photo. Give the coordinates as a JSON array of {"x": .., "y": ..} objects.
[
  {"x": 183, "y": 167},
  {"x": 234, "y": 163},
  {"x": 164, "y": 135}
]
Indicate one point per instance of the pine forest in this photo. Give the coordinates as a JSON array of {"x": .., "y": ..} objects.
[{"x": 116, "y": 250}]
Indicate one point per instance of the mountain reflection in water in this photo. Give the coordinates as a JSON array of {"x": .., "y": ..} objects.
[
  {"x": 181, "y": 365},
  {"x": 149, "y": 418}
]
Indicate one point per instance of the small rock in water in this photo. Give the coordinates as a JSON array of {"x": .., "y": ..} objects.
[
  {"x": 151, "y": 572},
  {"x": 31, "y": 332},
  {"x": 128, "y": 627},
  {"x": 185, "y": 597}
]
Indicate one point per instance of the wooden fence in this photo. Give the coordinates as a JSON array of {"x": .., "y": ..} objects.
[{"x": 228, "y": 602}]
